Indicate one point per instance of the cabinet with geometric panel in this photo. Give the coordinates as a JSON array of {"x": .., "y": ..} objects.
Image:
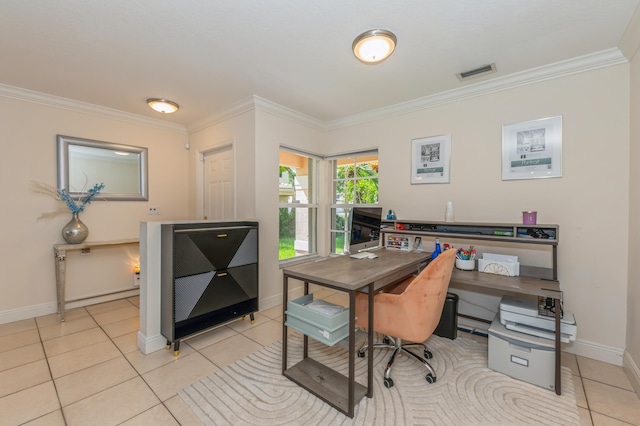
[{"x": 209, "y": 276}]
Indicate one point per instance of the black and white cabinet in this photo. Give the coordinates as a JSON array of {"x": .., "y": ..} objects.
[{"x": 209, "y": 276}]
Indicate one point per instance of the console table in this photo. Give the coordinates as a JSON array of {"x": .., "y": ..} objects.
[
  {"x": 534, "y": 281},
  {"x": 60, "y": 254},
  {"x": 348, "y": 275}
]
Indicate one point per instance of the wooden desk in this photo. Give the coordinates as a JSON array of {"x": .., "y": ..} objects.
[
  {"x": 535, "y": 281},
  {"x": 60, "y": 253},
  {"x": 349, "y": 275}
]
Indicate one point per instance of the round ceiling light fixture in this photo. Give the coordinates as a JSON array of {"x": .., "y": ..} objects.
[
  {"x": 374, "y": 46},
  {"x": 164, "y": 106}
]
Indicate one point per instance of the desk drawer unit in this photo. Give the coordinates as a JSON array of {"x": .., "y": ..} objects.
[
  {"x": 209, "y": 275},
  {"x": 521, "y": 356}
]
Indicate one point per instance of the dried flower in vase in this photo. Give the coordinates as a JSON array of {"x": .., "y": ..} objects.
[{"x": 73, "y": 204}]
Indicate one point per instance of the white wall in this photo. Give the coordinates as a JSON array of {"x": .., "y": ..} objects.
[
  {"x": 238, "y": 131},
  {"x": 271, "y": 132},
  {"x": 28, "y": 137},
  {"x": 590, "y": 202},
  {"x": 632, "y": 358}
]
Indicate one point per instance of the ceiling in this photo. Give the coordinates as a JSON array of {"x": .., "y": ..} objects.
[{"x": 209, "y": 55}]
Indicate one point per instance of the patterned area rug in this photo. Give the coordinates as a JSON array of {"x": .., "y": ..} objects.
[{"x": 252, "y": 391}]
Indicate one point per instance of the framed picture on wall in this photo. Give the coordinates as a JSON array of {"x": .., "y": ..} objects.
[
  {"x": 532, "y": 149},
  {"x": 430, "y": 159}
]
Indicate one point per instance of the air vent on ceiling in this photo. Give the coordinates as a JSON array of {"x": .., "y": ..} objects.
[{"x": 477, "y": 72}]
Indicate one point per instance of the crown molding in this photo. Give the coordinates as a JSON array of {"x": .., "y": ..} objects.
[
  {"x": 630, "y": 41},
  {"x": 288, "y": 113},
  {"x": 257, "y": 103},
  {"x": 85, "y": 108},
  {"x": 605, "y": 58},
  {"x": 239, "y": 108}
]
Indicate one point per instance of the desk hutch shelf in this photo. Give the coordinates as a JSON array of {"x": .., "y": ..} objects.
[{"x": 499, "y": 232}]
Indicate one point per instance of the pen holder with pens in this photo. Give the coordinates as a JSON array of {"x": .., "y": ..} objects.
[
  {"x": 466, "y": 264},
  {"x": 466, "y": 259}
]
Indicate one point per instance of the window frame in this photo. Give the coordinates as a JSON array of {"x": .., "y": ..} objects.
[
  {"x": 334, "y": 206},
  {"x": 312, "y": 205}
]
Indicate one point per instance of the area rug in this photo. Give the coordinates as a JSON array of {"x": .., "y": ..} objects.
[{"x": 253, "y": 391}]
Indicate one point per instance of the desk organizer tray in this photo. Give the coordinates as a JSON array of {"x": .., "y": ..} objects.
[
  {"x": 323, "y": 321},
  {"x": 499, "y": 264},
  {"x": 398, "y": 243}
]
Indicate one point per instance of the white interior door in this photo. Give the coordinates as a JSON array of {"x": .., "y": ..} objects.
[{"x": 219, "y": 184}]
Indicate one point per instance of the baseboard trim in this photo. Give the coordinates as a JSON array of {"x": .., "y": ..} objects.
[
  {"x": 632, "y": 370},
  {"x": 92, "y": 300},
  {"x": 48, "y": 308},
  {"x": 270, "y": 302},
  {"x": 150, "y": 344},
  {"x": 28, "y": 312},
  {"x": 273, "y": 301},
  {"x": 595, "y": 351}
]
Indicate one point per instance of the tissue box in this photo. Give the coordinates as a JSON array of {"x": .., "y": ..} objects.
[{"x": 499, "y": 264}]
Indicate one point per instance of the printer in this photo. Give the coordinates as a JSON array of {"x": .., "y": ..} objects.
[{"x": 523, "y": 315}]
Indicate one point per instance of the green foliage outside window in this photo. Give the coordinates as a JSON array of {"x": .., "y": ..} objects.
[
  {"x": 355, "y": 184},
  {"x": 288, "y": 216},
  {"x": 366, "y": 190},
  {"x": 287, "y": 223}
]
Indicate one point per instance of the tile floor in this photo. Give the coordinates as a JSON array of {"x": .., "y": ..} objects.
[{"x": 88, "y": 370}]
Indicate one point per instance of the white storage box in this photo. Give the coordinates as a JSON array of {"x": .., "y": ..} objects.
[
  {"x": 499, "y": 264},
  {"x": 324, "y": 321},
  {"x": 521, "y": 356}
]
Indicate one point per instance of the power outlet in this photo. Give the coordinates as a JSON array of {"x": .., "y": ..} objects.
[{"x": 153, "y": 210}]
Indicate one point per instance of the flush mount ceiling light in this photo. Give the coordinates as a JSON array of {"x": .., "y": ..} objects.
[
  {"x": 162, "y": 105},
  {"x": 374, "y": 46}
]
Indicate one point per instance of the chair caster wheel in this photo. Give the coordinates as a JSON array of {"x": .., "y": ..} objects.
[
  {"x": 386, "y": 340},
  {"x": 428, "y": 354},
  {"x": 361, "y": 354},
  {"x": 388, "y": 383},
  {"x": 430, "y": 378}
]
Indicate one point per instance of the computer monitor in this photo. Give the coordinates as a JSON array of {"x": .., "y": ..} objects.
[{"x": 365, "y": 228}]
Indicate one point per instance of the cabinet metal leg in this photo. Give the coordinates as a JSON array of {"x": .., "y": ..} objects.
[
  {"x": 60, "y": 261},
  {"x": 176, "y": 348}
]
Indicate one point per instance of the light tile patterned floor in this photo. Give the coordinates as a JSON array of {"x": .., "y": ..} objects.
[{"x": 88, "y": 370}]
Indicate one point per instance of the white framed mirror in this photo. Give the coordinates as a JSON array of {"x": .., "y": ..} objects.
[{"x": 83, "y": 163}]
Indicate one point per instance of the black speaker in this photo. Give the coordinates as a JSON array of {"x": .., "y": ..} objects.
[{"x": 448, "y": 325}]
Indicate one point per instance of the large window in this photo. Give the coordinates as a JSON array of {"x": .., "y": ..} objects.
[
  {"x": 298, "y": 204},
  {"x": 355, "y": 184}
]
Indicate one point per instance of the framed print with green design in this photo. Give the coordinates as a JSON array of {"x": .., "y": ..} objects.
[
  {"x": 532, "y": 149},
  {"x": 431, "y": 159}
]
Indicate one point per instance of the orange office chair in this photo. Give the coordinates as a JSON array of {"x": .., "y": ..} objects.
[{"x": 409, "y": 311}]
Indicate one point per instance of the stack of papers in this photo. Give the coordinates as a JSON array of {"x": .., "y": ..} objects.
[
  {"x": 325, "y": 308},
  {"x": 363, "y": 255}
]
